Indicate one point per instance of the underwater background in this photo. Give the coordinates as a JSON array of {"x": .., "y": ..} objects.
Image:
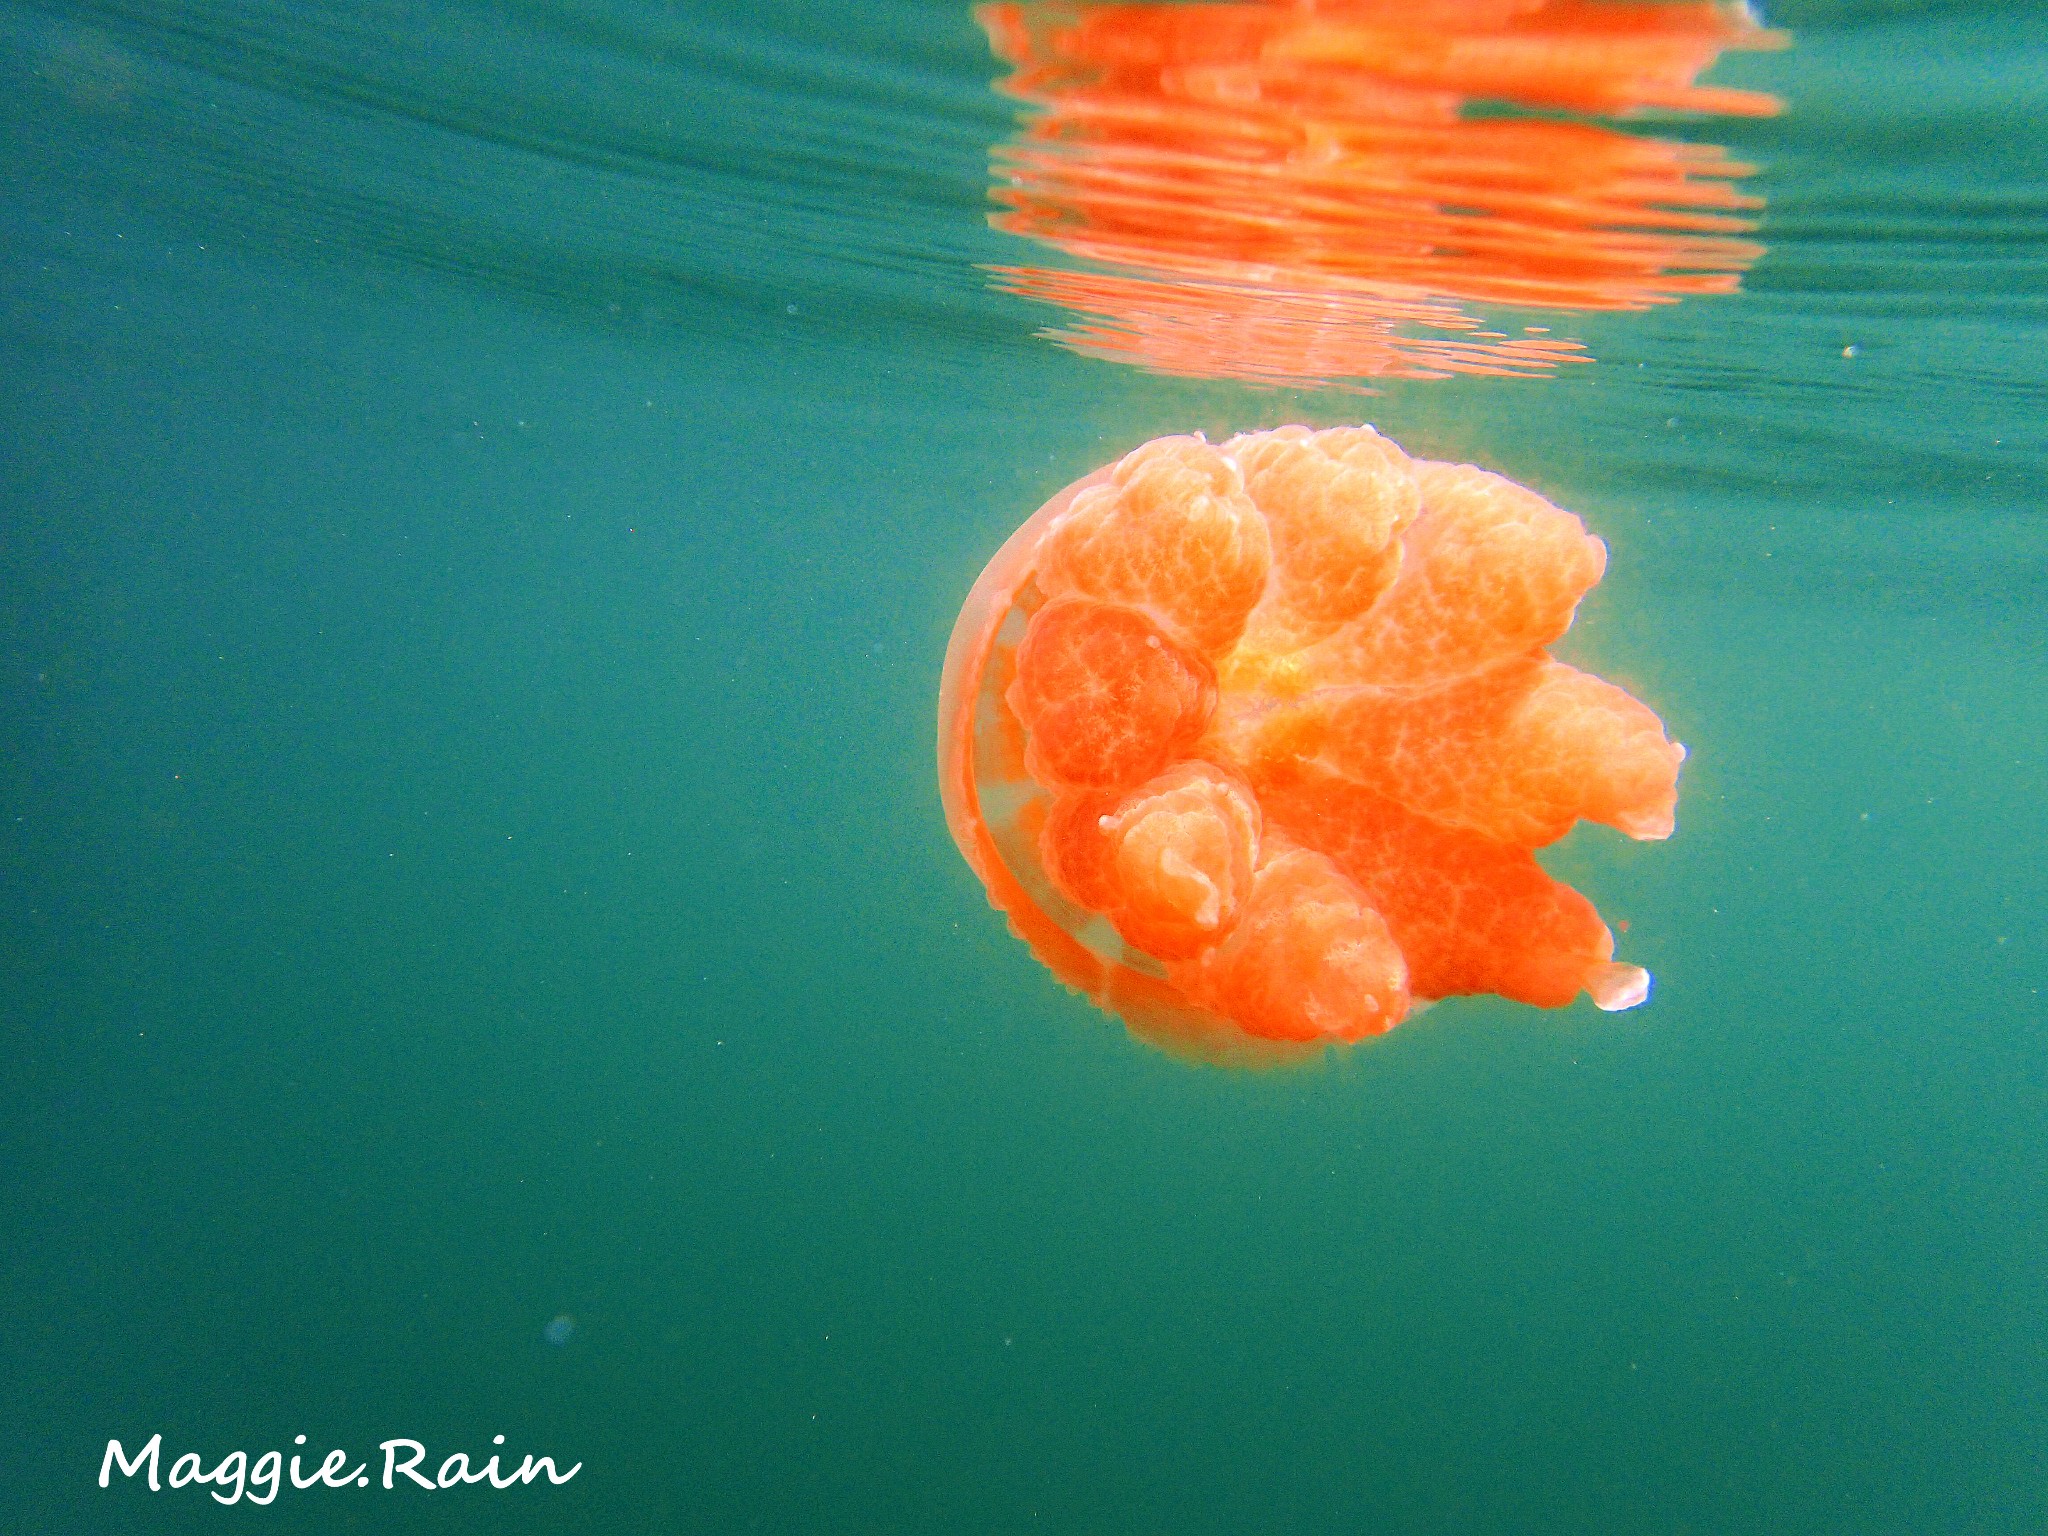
[{"x": 484, "y": 491}]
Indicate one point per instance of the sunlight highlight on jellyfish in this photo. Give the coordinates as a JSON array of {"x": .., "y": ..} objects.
[
  {"x": 1254, "y": 742},
  {"x": 1308, "y": 191}
]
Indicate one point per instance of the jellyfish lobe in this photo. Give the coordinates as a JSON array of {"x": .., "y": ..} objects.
[
  {"x": 1170, "y": 864},
  {"x": 1172, "y": 532},
  {"x": 1309, "y": 961},
  {"x": 1104, "y": 697}
]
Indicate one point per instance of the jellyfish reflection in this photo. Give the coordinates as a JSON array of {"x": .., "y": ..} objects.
[{"x": 1306, "y": 192}]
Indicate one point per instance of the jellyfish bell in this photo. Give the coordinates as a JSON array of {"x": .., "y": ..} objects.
[{"x": 1254, "y": 742}]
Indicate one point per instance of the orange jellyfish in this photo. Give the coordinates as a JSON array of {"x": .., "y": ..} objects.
[{"x": 1255, "y": 742}]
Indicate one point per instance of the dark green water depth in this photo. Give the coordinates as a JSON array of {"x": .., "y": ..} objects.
[{"x": 483, "y": 496}]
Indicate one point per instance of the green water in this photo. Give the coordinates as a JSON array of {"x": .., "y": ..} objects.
[{"x": 483, "y": 495}]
